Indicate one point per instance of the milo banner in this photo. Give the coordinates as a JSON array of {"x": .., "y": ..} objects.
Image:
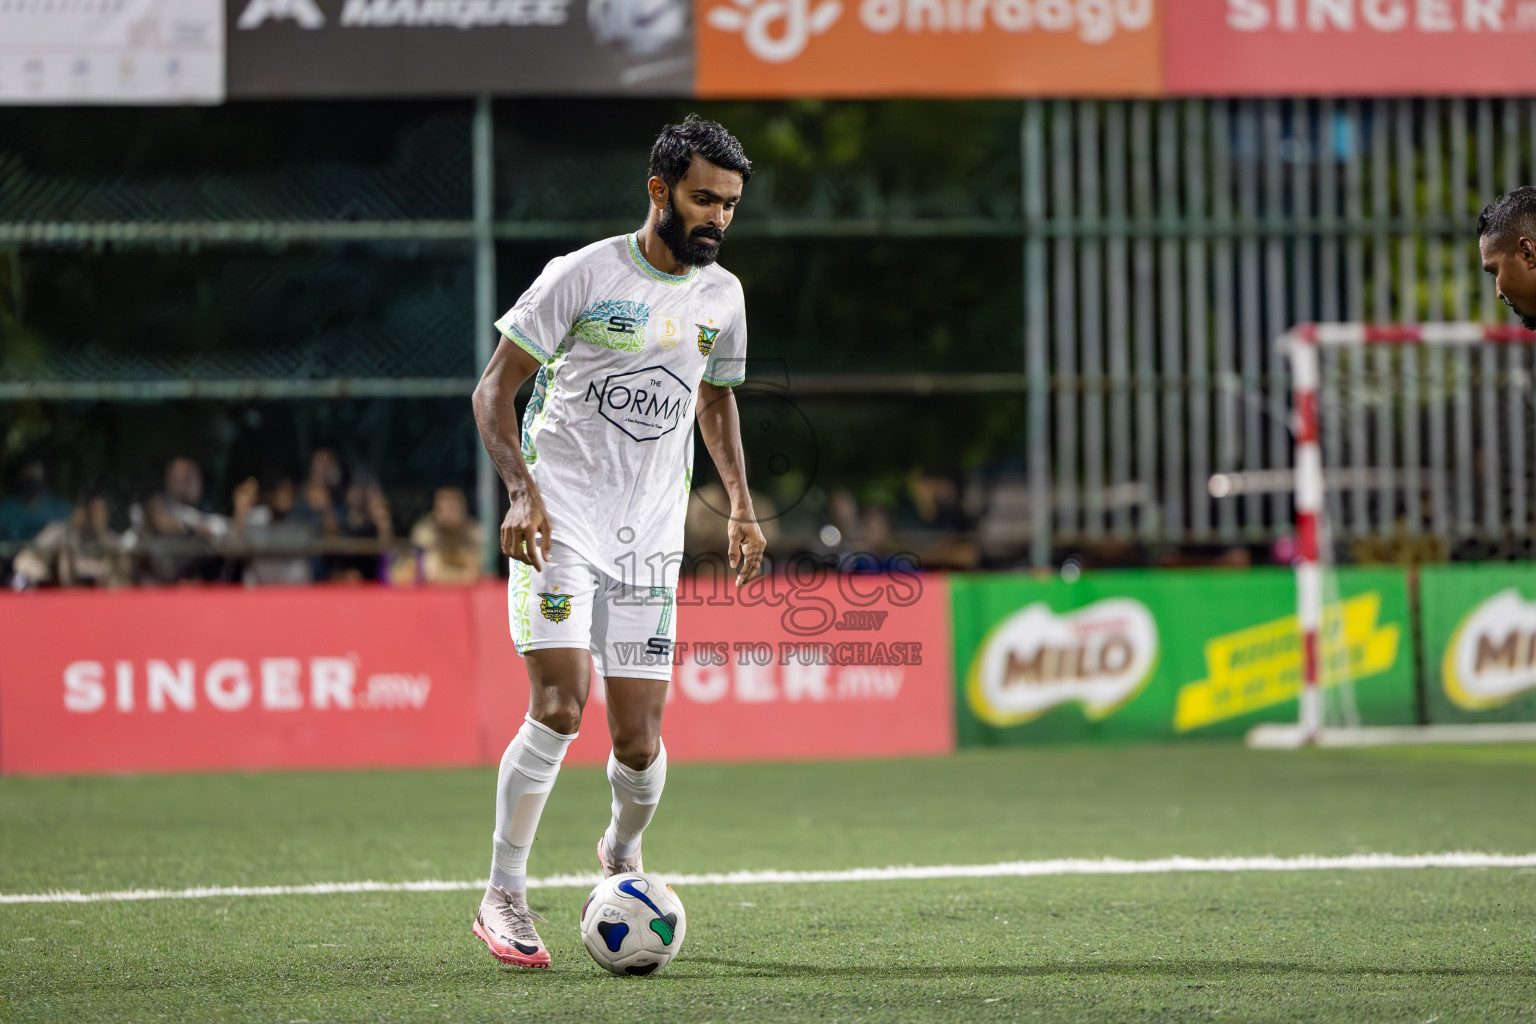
[
  {"x": 1164, "y": 654},
  {"x": 1479, "y": 636}
]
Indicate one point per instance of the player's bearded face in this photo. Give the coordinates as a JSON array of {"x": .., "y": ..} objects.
[{"x": 684, "y": 243}]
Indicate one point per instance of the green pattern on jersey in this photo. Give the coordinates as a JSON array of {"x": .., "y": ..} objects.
[
  {"x": 521, "y": 593},
  {"x": 668, "y": 595}
]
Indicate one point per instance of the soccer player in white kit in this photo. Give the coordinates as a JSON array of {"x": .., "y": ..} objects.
[{"x": 632, "y": 338}]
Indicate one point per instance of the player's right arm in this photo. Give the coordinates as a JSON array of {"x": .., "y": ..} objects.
[
  {"x": 531, "y": 334},
  {"x": 525, "y": 530}
]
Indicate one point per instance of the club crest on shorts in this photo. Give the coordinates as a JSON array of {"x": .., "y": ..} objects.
[
  {"x": 707, "y": 336},
  {"x": 555, "y": 607}
]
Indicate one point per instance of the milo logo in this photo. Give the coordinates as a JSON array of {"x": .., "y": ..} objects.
[
  {"x": 1491, "y": 658},
  {"x": 1098, "y": 656}
]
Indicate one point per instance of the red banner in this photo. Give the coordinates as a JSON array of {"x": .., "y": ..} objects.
[
  {"x": 832, "y": 667},
  {"x": 170, "y": 680},
  {"x": 185, "y": 679},
  {"x": 1348, "y": 47}
]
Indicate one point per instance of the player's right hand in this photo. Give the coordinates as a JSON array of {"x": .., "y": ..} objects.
[{"x": 525, "y": 530}]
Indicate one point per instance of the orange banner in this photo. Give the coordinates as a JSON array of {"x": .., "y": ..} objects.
[{"x": 947, "y": 48}]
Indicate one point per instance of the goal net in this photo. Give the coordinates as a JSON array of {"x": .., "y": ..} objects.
[{"x": 1412, "y": 444}]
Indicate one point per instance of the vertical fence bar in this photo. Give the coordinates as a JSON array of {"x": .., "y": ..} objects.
[
  {"x": 1279, "y": 317},
  {"x": 1488, "y": 356},
  {"x": 1146, "y": 329},
  {"x": 1325, "y": 153},
  {"x": 1433, "y": 356},
  {"x": 1036, "y": 357},
  {"x": 1171, "y": 321},
  {"x": 1515, "y": 358},
  {"x": 1228, "y": 433},
  {"x": 1064, "y": 306},
  {"x": 483, "y": 157},
  {"x": 1091, "y": 298},
  {"x": 1354, "y": 309},
  {"x": 1198, "y": 305},
  {"x": 1408, "y": 300},
  {"x": 1118, "y": 314},
  {"x": 1381, "y": 307},
  {"x": 1461, "y": 363},
  {"x": 1250, "y": 323}
]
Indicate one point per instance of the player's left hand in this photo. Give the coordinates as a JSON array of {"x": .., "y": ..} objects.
[{"x": 746, "y": 545}]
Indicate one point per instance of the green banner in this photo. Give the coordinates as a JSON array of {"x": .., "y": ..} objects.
[
  {"x": 1479, "y": 636},
  {"x": 1142, "y": 654}
]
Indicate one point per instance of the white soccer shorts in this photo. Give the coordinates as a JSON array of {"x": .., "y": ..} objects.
[{"x": 630, "y": 630}]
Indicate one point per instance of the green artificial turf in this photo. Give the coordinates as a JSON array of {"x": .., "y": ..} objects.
[{"x": 1443, "y": 944}]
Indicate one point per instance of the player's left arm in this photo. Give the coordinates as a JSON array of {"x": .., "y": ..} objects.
[{"x": 721, "y": 426}]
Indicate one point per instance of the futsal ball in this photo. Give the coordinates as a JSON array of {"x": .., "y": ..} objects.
[
  {"x": 633, "y": 924},
  {"x": 638, "y": 27}
]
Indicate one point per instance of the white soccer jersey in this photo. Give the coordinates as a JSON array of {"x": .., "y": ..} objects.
[{"x": 608, "y": 433}]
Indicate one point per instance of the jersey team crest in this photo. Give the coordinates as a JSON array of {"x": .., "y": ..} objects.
[
  {"x": 555, "y": 607},
  {"x": 707, "y": 336}
]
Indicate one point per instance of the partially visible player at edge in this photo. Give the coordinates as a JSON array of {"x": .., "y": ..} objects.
[
  {"x": 632, "y": 338},
  {"x": 1506, "y": 240}
]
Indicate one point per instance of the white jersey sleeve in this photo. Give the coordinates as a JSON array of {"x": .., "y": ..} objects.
[
  {"x": 726, "y": 364},
  {"x": 545, "y": 313}
]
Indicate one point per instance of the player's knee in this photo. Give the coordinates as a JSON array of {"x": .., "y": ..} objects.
[
  {"x": 561, "y": 714},
  {"x": 636, "y": 749}
]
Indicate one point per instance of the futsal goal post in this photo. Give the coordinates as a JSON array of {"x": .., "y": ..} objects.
[{"x": 1408, "y": 389}]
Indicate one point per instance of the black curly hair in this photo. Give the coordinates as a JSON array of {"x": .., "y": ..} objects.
[
  {"x": 677, "y": 143},
  {"x": 1509, "y": 216}
]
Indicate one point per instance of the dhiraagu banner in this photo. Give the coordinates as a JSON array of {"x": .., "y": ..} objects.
[
  {"x": 1143, "y": 654},
  {"x": 1479, "y": 635}
]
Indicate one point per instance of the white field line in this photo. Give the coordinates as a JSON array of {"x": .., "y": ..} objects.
[{"x": 1007, "y": 869}]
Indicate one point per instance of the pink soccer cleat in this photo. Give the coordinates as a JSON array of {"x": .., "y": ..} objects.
[{"x": 505, "y": 925}]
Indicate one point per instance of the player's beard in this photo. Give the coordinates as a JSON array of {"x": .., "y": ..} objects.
[
  {"x": 680, "y": 242},
  {"x": 1527, "y": 320}
]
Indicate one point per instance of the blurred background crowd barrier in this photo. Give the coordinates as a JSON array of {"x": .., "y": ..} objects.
[{"x": 836, "y": 665}]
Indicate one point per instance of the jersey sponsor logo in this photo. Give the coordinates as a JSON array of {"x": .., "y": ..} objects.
[
  {"x": 669, "y": 331},
  {"x": 614, "y": 323},
  {"x": 645, "y": 404},
  {"x": 555, "y": 607},
  {"x": 707, "y": 336}
]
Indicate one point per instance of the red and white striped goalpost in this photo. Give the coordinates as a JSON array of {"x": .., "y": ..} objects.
[{"x": 1301, "y": 346}]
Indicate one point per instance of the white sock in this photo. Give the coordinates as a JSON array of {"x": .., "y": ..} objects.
[
  {"x": 635, "y": 796},
  {"x": 528, "y": 771}
]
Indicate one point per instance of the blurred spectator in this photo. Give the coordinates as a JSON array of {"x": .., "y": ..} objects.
[
  {"x": 325, "y": 485},
  {"x": 276, "y": 525},
  {"x": 448, "y": 541},
  {"x": 935, "y": 520},
  {"x": 179, "y": 536},
  {"x": 31, "y": 505},
  {"x": 365, "y": 516},
  {"x": 82, "y": 551}
]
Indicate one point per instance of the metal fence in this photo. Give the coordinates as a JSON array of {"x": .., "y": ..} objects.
[
  {"x": 1165, "y": 245},
  {"x": 1168, "y": 245}
]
